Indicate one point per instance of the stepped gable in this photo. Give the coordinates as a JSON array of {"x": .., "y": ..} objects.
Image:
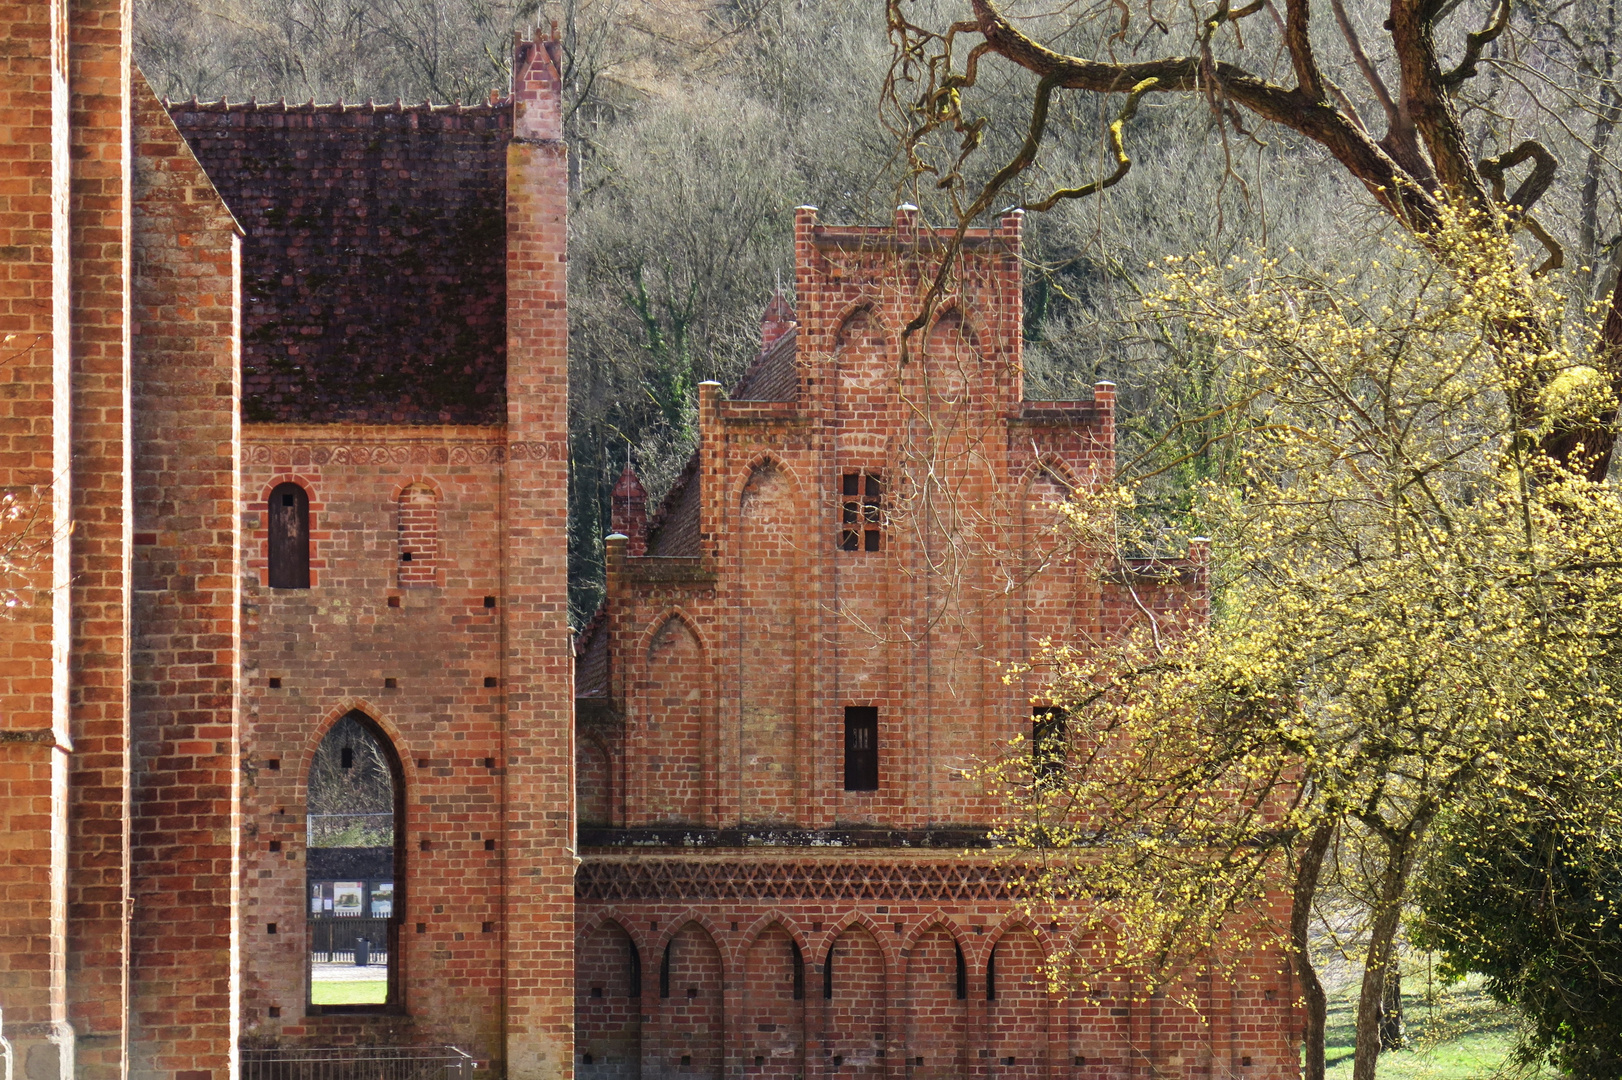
[{"x": 374, "y": 262}]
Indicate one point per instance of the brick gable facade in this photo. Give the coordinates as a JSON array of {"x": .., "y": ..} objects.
[{"x": 858, "y": 924}]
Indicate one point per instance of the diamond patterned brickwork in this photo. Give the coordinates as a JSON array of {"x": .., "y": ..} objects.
[{"x": 895, "y": 983}]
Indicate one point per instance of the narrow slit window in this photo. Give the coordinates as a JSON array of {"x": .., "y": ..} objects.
[
  {"x": 828, "y": 975},
  {"x": 288, "y": 521},
  {"x": 962, "y": 973},
  {"x": 664, "y": 973},
  {"x": 861, "y": 748},
  {"x": 634, "y": 975},
  {"x": 799, "y": 971},
  {"x": 991, "y": 975},
  {"x": 1047, "y": 742},
  {"x": 861, "y": 511}
]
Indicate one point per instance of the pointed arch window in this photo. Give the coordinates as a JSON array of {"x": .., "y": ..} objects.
[
  {"x": 354, "y": 869},
  {"x": 288, "y": 522}
]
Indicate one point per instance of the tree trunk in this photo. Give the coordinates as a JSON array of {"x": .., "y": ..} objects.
[
  {"x": 1381, "y": 957},
  {"x": 1392, "y": 1033},
  {"x": 1313, "y": 1001}
]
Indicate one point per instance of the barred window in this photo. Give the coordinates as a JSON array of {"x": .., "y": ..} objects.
[
  {"x": 1047, "y": 741},
  {"x": 861, "y": 502},
  {"x": 861, "y": 748}
]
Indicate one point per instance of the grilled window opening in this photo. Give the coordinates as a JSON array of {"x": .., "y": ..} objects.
[
  {"x": 861, "y": 511},
  {"x": 1048, "y": 724},
  {"x": 861, "y": 748}
]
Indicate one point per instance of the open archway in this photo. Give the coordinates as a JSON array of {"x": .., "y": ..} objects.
[{"x": 355, "y": 822}]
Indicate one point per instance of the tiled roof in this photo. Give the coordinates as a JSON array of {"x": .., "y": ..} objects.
[
  {"x": 374, "y": 265},
  {"x": 773, "y": 376},
  {"x": 591, "y": 657},
  {"x": 674, "y": 530}
]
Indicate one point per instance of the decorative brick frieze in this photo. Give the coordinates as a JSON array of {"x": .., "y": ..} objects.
[{"x": 651, "y": 878}]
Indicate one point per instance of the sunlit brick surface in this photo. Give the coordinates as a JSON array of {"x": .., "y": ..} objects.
[{"x": 738, "y": 628}]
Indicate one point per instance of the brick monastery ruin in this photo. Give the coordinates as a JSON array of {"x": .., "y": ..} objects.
[{"x": 297, "y": 376}]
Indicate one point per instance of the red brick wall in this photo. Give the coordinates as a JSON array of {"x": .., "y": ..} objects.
[
  {"x": 34, "y": 441},
  {"x": 539, "y": 827},
  {"x": 794, "y": 629},
  {"x": 99, "y": 698},
  {"x": 766, "y": 666},
  {"x": 895, "y": 976},
  {"x": 771, "y": 1020},
  {"x": 333, "y": 648},
  {"x": 855, "y": 1016},
  {"x": 185, "y": 618},
  {"x": 78, "y": 437},
  {"x": 608, "y": 1016},
  {"x": 418, "y": 521},
  {"x": 669, "y": 765},
  {"x": 937, "y": 1019},
  {"x": 1017, "y": 1019},
  {"x": 690, "y": 1020}
]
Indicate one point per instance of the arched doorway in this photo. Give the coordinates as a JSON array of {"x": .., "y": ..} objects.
[{"x": 353, "y": 868}]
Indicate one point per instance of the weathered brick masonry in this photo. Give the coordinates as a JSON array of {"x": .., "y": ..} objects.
[
  {"x": 338, "y": 334},
  {"x": 400, "y": 275},
  {"x": 749, "y": 906},
  {"x": 118, "y": 406},
  {"x": 405, "y": 371}
]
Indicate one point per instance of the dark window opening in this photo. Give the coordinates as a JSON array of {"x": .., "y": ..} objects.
[
  {"x": 289, "y": 527},
  {"x": 635, "y": 973},
  {"x": 991, "y": 975},
  {"x": 355, "y": 870},
  {"x": 861, "y": 748},
  {"x": 1047, "y": 741},
  {"x": 861, "y": 502},
  {"x": 799, "y": 971},
  {"x": 828, "y": 975},
  {"x": 664, "y": 973},
  {"x": 962, "y": 973}
]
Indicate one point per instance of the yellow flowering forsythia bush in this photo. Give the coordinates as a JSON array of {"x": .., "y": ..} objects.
[{"x": 1415, "y": 612}]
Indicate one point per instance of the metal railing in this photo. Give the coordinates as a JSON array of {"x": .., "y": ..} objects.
[
  {"x": 337, "y": 940},
  {"x": 357, "y": 1063}
]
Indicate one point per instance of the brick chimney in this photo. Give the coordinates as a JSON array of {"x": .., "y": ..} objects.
[
  {"x": 629, "y": 512},
  {"x": 777, "y": 320}
]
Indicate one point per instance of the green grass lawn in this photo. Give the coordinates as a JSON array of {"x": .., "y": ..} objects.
[
  {"x": 370, "y": 992},
  {"x": 1461, "y": 1034}
]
